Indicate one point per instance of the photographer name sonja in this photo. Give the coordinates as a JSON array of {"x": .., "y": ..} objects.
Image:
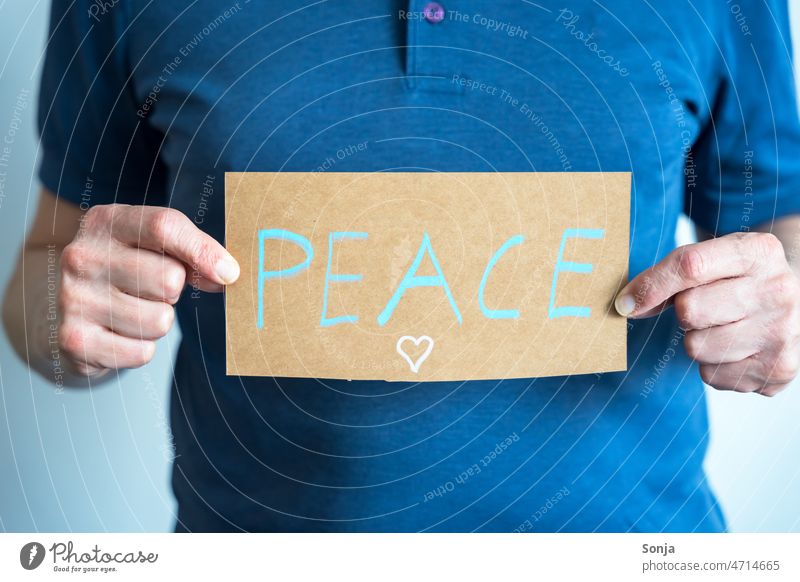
[
  {"x": 662, "y": 549},
  {"x": 66, "y": 553}
]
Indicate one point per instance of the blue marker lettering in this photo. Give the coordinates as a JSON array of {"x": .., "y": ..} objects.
[
  {"x": 498, "y": 313},
  {"x": 411, "y": 280},
  {"x": 278, "y": 234},
  {"x": 324, "y": 320},
  {"x": 561, "y": 265}
]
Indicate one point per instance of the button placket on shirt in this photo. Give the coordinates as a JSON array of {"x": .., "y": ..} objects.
[
  {"x": 427, "y": 27},
  {"x": 433, "y": 12}
]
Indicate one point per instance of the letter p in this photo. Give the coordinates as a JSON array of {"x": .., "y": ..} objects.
[{"x": 283, "y": 235}]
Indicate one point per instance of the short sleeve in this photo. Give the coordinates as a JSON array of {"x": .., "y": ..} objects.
[
  {"x": 747, "y": 159},
  {"x": 95, "y": 149}
]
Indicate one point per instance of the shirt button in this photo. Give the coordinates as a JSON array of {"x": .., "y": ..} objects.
[{"x": 433, "y": 12}]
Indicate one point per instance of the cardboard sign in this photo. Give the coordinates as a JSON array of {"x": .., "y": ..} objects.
[{"x": 426, "y": 276}]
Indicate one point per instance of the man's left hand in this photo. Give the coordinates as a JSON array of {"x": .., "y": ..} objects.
[{"x": 738, "y": 300}]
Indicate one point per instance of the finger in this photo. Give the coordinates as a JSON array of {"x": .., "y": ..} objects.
[
  {"x": 110, "y": 350},
  {"x": 718, "y": 303},
  {"x": 660, "y": 308},
  {"x": 170, "y": 231},
  {"x": 722, "y": 344},
  {"x": 687, "y": 267},
  {"x": 147, "y": 274},
  {"x": 754, "y": 374},
  {"x": 198, "y": 282},
  {"x": 736, "y": 377},
  {"x": 134, "y": 317},
  {"x": 91, "y": 347}
]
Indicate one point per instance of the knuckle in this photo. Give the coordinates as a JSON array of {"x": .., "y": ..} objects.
[
  {"x": 164, "y": 319},
  {"x": 785, "y": 287},
  {"x": 781, "y": 332},
  {"x": 143, "y": 354},
  {"x": 72, "y": 340},
  {"x": 767, "y": 244},
  {"x": 74, "y": 258},
  {"x": 685, "y": 308},
  {"x": 202, "y": 253},
  {"x": 98, "y": 216},
  {"x": 158, "y": 224},
  {"x": 130, "y": 353},
  {"x": 740, "y": 241},
  {"x": 693, "y": 343},
  {"x": 690, "y": 263},
  {"x": 174, "y": 280},
  {"x": 785, "y": 368},
  {"x": 166, "y": 223}
]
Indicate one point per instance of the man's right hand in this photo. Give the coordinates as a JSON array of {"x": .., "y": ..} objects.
[{"x": 121, "y": 276}]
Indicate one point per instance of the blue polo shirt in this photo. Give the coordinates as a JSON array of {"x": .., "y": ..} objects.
[{"x": 152, "y": 102}]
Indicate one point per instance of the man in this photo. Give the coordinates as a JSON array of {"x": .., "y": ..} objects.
[{"x": 145, "y": 105}]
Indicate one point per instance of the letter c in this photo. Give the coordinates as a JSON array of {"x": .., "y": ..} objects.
[{"x": 498, "y": 313}]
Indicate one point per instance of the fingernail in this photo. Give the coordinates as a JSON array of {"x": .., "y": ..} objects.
[
  {"x": 228, "y": 270},
  {"x": 625, "y": 304}
]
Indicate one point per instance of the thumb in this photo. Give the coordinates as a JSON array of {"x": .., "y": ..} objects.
[
  {"x": 170, "y": 231},
  {"x": 687, "y": 266},
  {"x": 652, "y": 290},
  {"x": 199, "y": 283}
]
